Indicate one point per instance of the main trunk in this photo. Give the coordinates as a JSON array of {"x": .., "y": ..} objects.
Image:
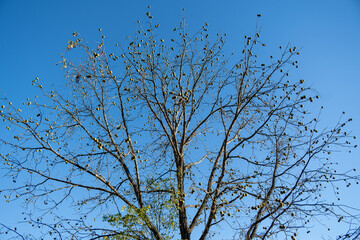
[{"x": 183, "y": 221}]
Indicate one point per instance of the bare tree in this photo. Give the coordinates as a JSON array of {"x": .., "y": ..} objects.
[{"x": 171, "y": 139}]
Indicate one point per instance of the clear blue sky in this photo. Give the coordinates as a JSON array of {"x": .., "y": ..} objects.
[{"x": 33, "y": 33}]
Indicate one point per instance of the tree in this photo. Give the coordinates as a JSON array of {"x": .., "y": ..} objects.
[{"x": 168, "y": 139}]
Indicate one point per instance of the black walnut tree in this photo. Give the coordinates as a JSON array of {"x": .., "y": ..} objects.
[{"x": 174, "y": 138}]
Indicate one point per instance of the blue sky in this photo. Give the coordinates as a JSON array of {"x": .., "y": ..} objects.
[{"x": 33, "y": 33}]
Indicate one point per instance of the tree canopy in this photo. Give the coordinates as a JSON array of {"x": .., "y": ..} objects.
[{"x": 175, "y": 138}]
